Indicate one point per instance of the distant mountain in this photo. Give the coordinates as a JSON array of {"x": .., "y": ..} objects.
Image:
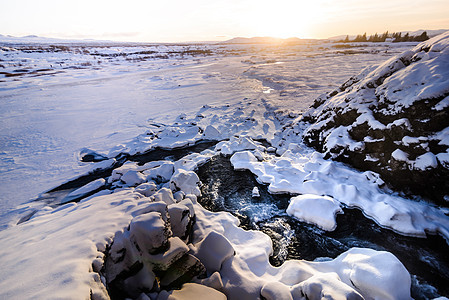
[
  {"x": 31, "y": 39},
  {"x": 263, "y": 40},
  {"x": 431, "y": 33}
]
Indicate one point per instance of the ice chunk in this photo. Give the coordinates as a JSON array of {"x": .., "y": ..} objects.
[
  {"x": 241, "y": 160},
  {"x": 89, "y": 188},
  {"x": 238, "y": 144},
  {"x": 255, "y": 192},
  {"x": 211, "y": 133}
]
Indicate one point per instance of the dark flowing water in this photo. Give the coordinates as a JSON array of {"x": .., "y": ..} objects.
[{"x": 225, "y": 189}]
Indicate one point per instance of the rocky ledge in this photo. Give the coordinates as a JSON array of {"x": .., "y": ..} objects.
[{"x": 392, "y": 119}]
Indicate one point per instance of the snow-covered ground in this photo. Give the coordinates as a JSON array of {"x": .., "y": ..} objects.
[
  {"x": 56, "y": 100},
  {"x": 123, "y": 101}
]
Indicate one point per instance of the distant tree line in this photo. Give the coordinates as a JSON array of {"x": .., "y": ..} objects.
[{"x": 396, "y": 37}]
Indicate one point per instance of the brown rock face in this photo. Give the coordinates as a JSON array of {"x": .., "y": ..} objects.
[{"x": 393, "y": 119}]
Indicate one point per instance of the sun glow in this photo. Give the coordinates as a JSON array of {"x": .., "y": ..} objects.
[
  {"x": 285, "y": 19},
  {"x": 207, "y": 20}
]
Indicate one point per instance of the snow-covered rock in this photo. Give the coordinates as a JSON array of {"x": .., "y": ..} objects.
[
  {"x": 147, "y": 189},
  {"x": 161, "y": 173},
  {"x": 132, "y": 178},
  {"x": 247, "y": 274},
  {"x": 192, "y": 291},
  {"x": 213, "y": 250},
  {"x": 318, "y": 210},
  {"x": 392, "y": 119},
  {"x": 186, "y": 181}
]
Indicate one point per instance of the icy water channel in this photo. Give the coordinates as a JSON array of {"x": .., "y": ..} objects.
[{"x": 225, "y": 189}]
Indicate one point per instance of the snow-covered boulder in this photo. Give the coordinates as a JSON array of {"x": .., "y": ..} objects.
[
  {"x": 213, "y": 250},
  {"x": 186, "y": 181},
  {"x": 192, "y": 291},
  {"x": 318, "y": 210},
  {"x": 149, "y": 255},
  {"x": 393, "y": 119}
]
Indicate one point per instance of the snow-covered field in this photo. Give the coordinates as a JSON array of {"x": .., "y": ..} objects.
[
  {"x": 117, "y": 102},
  {"x": 56, "y": 101}
]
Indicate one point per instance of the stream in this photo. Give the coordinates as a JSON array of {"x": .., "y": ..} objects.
[{"x": 224, "y": 189}]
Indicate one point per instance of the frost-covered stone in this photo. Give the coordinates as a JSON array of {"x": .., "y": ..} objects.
[
  {"x": 179, "y": 196},
  {"x": 214, "y": 281},
  {"x": 117, "y": 173},
  {"x": 192, "y": 198},
  {"x": 89, "y": 155},
  {"x": 375, "y": 274},
  {"x": 143, "y": 281}
]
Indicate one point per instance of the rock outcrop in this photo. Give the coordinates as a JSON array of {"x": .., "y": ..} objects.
[{"x": 392, "y": 119}]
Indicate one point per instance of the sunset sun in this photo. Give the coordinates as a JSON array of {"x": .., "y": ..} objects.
[{"x": 285, "y": 19}]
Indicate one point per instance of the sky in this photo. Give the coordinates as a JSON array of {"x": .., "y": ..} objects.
[{"x": 213, "y": 20}]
